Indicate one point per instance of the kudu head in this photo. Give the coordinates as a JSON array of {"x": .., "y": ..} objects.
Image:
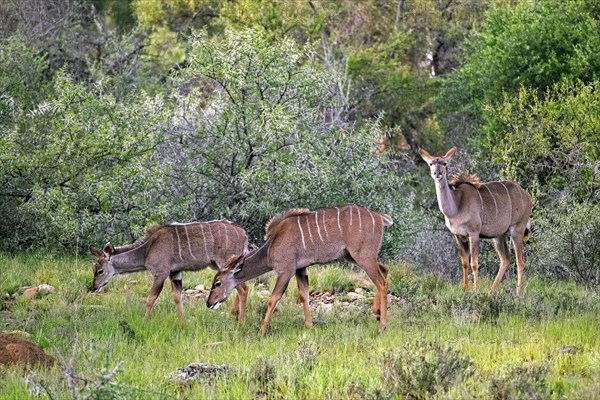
[
  {"x": 103, "y": 268},
  {"x": 437, "y": 165},
  {"x": 224, "y": 282}
]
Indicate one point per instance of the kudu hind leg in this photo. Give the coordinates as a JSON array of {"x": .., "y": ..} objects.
[
  {"x": 378, "y": 275},
  {"x": 280, "y": 287},
  {"x": 302, "y": 279},
  {"x": 517, "y": 241},
  {"x": 501, "y": 247},
  {"x": 177, "y": 286}
]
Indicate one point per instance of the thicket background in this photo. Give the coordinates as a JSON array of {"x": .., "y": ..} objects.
[{"x": 115, "y": 114}]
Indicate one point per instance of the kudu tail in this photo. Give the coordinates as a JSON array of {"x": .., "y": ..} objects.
[
  {"x": 387, "y": 220},
  {"x": 527, "y": 232}
]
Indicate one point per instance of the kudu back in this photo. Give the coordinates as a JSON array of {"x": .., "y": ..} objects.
[
  {"x": 472, "y": 210},
  {"x": 169, "y": 249},
  {"x": 299, "y": 238}
]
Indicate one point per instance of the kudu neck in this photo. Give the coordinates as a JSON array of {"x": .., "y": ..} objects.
[
  {"x": 445, "y": 198},
  {"x": 255, "y": 264},
  {"x": 131, "y": 260}
]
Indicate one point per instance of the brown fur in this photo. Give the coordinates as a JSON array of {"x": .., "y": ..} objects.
[
  {"x": 300, "y": 238},
  {"x": 274, "y": 222},
  {"x": 167, "y": 250},
  {"x": 458, "y": 179},
  {"x": 473, "y": 210}
]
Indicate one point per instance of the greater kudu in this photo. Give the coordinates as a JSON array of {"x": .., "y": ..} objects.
[
  {"x": 167, "y": 250},
  {"x": 300, "y": 238},
  {"x": 474, "y": 210}
]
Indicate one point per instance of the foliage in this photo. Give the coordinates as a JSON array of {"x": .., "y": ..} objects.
[
  {"x": 533, "y": 45},
  {"x": 569, "y": 246},
  {"x": 251, "y": 140},
  {"x": 527, "y": 382},
  {"x": 423, "y": 369},
  {"x": 79, "y": 164},
  {"x": 551, "y": 145}
]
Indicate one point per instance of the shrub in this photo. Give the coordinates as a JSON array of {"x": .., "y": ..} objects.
[
  {"x": 568, "y": 246},
  {"x": 525, "y": 382},
  {"x": 423, "y": 369}
]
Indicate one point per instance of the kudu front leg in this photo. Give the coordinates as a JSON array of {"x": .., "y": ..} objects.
[
  {"x": 155, "y": 290},
  {"x": 280, "y": 286},
  {"x": 238, "y": 306},
  {"x": 464, "y": 260}
]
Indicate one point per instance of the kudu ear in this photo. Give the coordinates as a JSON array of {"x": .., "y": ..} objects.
[
  {"x": 109, "y": 250},
  {"x": 234, "y": 264},
  {"x": 424, "y": 155},
  {"x": 450, "y": 152},
  {"x": 96, "y": 252}
]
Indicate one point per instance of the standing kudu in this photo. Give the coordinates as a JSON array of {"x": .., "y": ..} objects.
[
  {"x": 474, "y": 210},
  {"x": 167, "y": 250},
  {"x": 300, "y": 238}
]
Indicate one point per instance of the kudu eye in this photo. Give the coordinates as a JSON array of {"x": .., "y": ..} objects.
[
  {"x": 100, "y": 271},
  {"x": 217, "y": 284}
]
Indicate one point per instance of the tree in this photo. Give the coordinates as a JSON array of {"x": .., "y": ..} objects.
[
  {"x": 252, "y": 140},
  {"x": 532, "y": 45},
  {"x": 79, "y": 165}
]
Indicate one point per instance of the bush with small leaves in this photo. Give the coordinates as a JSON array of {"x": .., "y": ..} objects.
[
  {"x": 525, "y": 382},
  {"x": 423, "y": 369}
]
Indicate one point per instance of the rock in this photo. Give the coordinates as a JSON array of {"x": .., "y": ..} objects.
[
  {"x": 45, "y": 289},
  {"x": 325, "y": 308},
  {"x": 264, "y": 294},
  {"x": 30, "y": 292},
  {"x": 355, "y": 296},
  {"x": 567, "y": 350},
  {"x": 200, "y": 288},
  {"x": 196, "y": 371},
  {"x": 15, "y": 350},
  {"x": 359, "y": 290}
]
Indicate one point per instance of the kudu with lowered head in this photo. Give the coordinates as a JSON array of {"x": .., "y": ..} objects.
[
  {"x": 473, "y": 210},
  {"x": 300, "y": 238},
  {"x": 167, "y": 250}
]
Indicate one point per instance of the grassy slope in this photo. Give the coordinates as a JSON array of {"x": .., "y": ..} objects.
[{"x": 339, "y": 357}]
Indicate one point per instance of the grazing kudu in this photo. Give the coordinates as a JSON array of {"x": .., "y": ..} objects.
[
  {"x": 167, "y": 250},
  {"x": 300, "y": 238},
  {"x": 474, "y": 210}
]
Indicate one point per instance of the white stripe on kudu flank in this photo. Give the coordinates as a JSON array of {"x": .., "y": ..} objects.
[
  {"x": 204, "y": 241},
  {"x": 338, "y": 219},
  {"x": 325, "y": 225},
  {"x": 493, "y": 197},
  {"x": 350, "y": 207},
  {"x": 509, "y": 201},
  {"x": 178, "y": 243},
  {"x": 225, "y": 229},
  {"x": 359, "y": 218},
  {"x": 308, "y": 227},
  {"x": 372, "y": 219},
  {"x": 301, "y": 231},
  {"x": 212, "y": 238},
  {"x": 317, "y": 224},
  {"x": 189, "y": 242}
]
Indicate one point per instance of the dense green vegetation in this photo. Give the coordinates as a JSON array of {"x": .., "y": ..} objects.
[
  {"x": 439, "y": 343},
  {"x": 117, "y": 114}
]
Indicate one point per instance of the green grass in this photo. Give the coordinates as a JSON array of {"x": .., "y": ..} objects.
[{"x": 342, "y": 356}]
